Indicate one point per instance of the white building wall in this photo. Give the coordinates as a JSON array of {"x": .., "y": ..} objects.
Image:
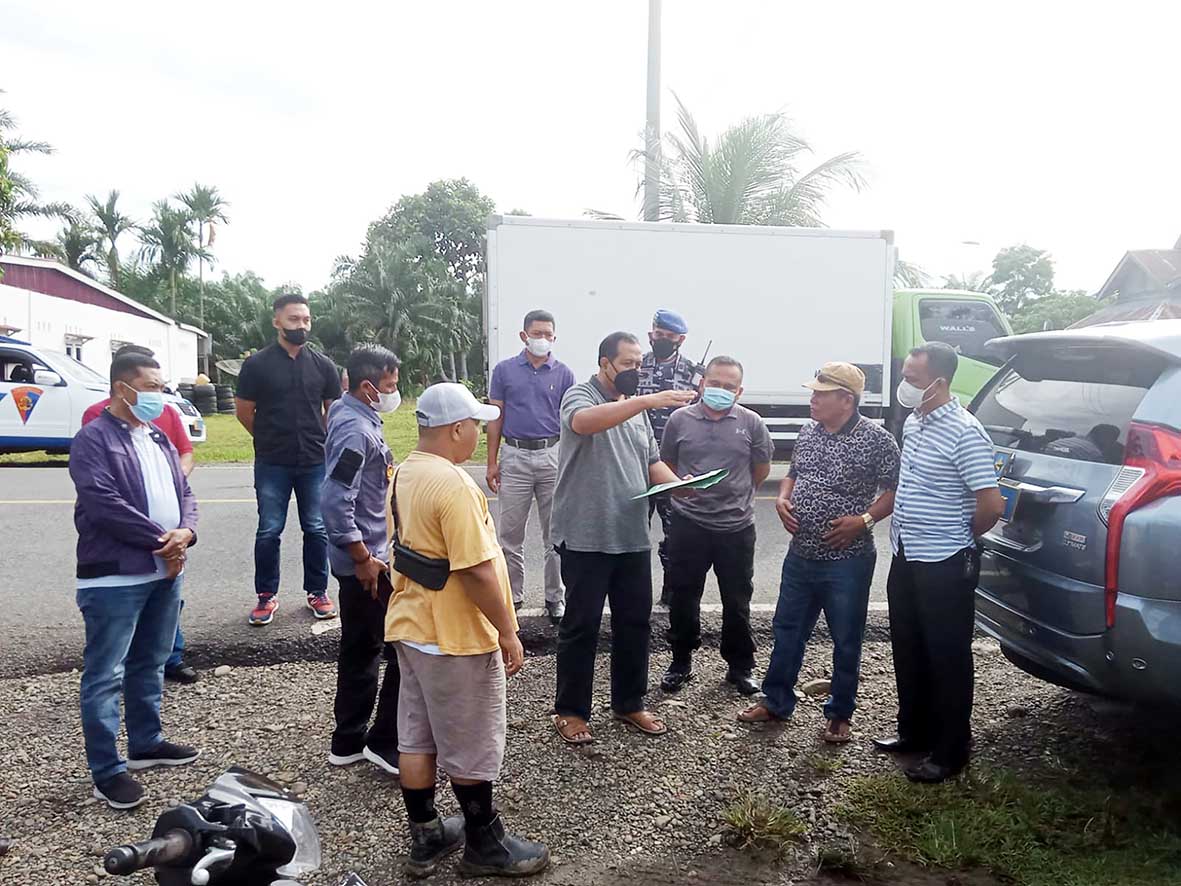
[{"x": 45, "y": 321}]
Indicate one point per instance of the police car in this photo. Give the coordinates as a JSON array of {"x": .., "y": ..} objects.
[{"x": 43, "y": 394}]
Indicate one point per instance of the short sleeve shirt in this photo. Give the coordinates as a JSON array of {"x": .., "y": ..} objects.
[
  {"x": 289, "y": 395},
  {"x": 838, "y": 475},
  {"x": 678, "y": 374},
  {"x": 169, "y": 422},
  {"x": 532, "y": 396},
  {"x": 443, "y": 514},
  {"x": 599, "y": 476},
  {"x": 694, "y": 443},
  {"x": 947, "y": 457}
]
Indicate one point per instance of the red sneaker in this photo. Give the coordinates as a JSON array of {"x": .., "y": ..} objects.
[
  {"x": 264, "y": 612},
  {"x": 321, "y": 606}
]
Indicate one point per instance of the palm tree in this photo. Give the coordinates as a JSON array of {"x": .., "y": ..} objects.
[
  {"x": 207, "y": 208},
  {"x": 18, "y": 195},
  {"x": 76, "y": 245},
  {"x": 977, "y": 281},
  {"x": 750, "y": 175},
  {"x": 167, "y": 243},
  {"x": 910, "y": 276},
  {"x": 111, "y": 224}
]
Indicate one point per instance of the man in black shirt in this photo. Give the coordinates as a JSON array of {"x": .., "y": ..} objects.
[{"x": 284, "y": 392}]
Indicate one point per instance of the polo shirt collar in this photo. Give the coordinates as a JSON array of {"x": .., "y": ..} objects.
[
  {"x": 362, "y": 408},
  {"x": 942, "y": 412},
  {"x": 523, "y": 360},
  {"x": 698, "y": 412}
]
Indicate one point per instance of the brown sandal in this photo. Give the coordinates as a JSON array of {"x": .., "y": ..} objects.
[
  {"x": 644, "y": 721},
  {"x": 760, "y": 713},
  {"x": 838, "y": 732},
  {"x": 569, "y": 728}
]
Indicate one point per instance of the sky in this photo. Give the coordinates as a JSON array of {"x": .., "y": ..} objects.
[{"x": 989, "y": 124}]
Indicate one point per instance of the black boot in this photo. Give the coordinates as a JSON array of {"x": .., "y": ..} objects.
[
  {"x": 743, "y": 681},
  {"x": 431, "y": 842},
  {"x": 490, "y": 852},
  {"x": 678, "y": 674}
]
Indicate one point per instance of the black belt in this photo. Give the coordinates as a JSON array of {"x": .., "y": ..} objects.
[{"x": 543, "y": 443}]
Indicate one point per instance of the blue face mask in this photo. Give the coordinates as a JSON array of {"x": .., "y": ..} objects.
[
  {"x": 148, "y": 406},
  {"x": 718, "y": 399}
]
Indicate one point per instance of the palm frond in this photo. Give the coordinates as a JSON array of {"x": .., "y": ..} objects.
[{"x": 26, "y": 146}]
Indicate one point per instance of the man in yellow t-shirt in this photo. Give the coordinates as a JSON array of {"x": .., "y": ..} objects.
[{"x": 455, "y": 647}]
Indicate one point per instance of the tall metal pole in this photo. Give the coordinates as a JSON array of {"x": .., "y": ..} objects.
[{"x": 652, "y": 126}]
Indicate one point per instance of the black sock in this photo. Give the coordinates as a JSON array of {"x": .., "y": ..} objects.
[
  {"x": 420, "y": 804},
  {"x": 476, "y": 802}
]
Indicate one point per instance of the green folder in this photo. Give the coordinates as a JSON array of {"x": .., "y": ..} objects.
[{"x": 701, "y": 481}]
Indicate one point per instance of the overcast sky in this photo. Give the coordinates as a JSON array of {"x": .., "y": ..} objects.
[{"x": 1014, "y": 123}]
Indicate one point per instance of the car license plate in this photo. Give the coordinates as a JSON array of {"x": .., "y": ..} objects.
[{"x": 1010, "y": 494}]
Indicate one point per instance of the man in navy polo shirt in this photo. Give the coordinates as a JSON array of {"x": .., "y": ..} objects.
[{"x": 528, "y": 388}]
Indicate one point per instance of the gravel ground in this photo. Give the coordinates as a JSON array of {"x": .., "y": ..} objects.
[{"x": 628, "y": 808}]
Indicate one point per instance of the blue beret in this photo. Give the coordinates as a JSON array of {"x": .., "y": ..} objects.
[{"x": 670, "y": 320}]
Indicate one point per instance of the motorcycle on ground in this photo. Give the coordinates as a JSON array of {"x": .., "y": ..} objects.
[{"x": 246, "y": 830}]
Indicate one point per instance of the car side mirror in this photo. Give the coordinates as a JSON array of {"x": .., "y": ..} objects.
[{"x": 47, "y": 378}]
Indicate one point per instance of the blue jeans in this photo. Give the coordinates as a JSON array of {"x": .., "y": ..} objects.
[
  {"x": 841, "y": 589},
  {"x": 273, "y": 485},
  {"x": 129, "y": 634},
  {"x": 178, "y": 644}
]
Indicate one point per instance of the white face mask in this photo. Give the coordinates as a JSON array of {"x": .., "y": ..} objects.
[
  {"x": 388, "y": 402},
  {"x": 539, "y": 347},
  {"x": 913, "y": 397}
]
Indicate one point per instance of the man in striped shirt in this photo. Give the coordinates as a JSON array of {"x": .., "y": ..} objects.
[{"x": 947, "y": 497}]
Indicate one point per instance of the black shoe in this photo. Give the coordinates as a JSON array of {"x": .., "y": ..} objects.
[
  {"x": 383, "y": 759},
  {"x": 677, "y": 676},
  {"x": 120, "y": 791},
  {"x": 517, "y": 604},
  {"x": 897, "y": 745},
  {"x": 743, "y": 682},
  {"x": 181, "y": 673},
  {"x": 490, "y": 852},
  {"x": 666, "y": 599},
  {"x": 164, "y": 754},
  {"x": 4, "y": 844},
  {"x": 556, "y": 612},
  {"x": 930, "y": 772},
  {"x": 430, "y": 843}
]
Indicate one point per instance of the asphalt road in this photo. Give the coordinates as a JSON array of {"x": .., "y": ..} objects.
[{"x": 41, "y": 629}]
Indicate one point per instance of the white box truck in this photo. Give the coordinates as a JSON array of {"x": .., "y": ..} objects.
[{"x": 783, "y": 301}]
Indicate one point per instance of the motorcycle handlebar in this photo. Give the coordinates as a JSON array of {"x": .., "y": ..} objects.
[{"x": 157, "y": 852}]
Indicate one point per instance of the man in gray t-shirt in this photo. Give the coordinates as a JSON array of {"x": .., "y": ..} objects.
[
  {"x": 715, "y": 528},
  {"x": 608, "y": 456}
]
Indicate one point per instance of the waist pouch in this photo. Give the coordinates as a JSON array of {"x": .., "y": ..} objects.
[{"x": 430, "y": 572}]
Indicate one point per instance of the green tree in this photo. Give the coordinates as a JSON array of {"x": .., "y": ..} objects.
[
  {"x": 1020, "y": 274},
  {"x": 909, "y": 276},
  {"x": 112, "y": 224},
  {"x": 77, "y": 245},
  {"x": 974, "y": 282},
  {"x": 19, "y": 197},
  {"x": 167, "y": 242},
  {"x": 750, "y": 175},
  {"x": 207, "y": 208},
  {"x": 1058, "y": 310}
]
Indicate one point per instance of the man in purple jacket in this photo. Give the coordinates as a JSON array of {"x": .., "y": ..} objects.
[{"x": 136, "y": 517}]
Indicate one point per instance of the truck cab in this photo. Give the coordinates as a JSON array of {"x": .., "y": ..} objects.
[{"x": 43, "y": 394}]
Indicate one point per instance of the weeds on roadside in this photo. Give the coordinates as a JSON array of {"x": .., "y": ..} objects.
[
  {"x": 755, "y": 822},
  {"x": 1027, "y": 833},
  {"x": 843, "y": 860},
  {"x": 825, "y": 764}
]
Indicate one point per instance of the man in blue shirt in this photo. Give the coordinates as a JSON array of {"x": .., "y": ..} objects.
[
  {"x": 947, "y": 498},
  {"x": 528, "y": 389},
  {"x": 353, "y": 501}
]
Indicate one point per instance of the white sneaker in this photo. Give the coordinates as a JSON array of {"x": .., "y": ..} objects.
[
  {"x": 381, "y": 762},
  {"x": 345, "y": 759}
]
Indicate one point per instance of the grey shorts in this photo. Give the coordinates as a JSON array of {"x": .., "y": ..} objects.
[{"x": 453, "y": 706}]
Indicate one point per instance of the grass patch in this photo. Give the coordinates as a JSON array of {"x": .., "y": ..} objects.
[
  {"x": 825, "y": 764},
  {"x": 226, "y": 441},
  {"x": 755, "y": 822},
  {"x": 1025, "y": 833}
]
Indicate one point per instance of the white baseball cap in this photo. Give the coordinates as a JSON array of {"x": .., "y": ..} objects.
[{"x": 446, "y": 403}]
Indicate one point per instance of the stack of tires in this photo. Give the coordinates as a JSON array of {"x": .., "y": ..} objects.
[
  {"x": 205, "y": 399},
  {"x": 225, "y": 399},
  {"x": 185, "y": 389}
]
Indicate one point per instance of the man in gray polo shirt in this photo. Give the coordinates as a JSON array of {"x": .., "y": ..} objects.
[
  {"x": 716, "y": 527},
  {"x": 608, "y": 456}
]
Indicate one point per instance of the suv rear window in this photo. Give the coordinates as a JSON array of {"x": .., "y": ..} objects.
[
  {"x": 965, "y": 325},
  {"x": 1067, "y": 402}
]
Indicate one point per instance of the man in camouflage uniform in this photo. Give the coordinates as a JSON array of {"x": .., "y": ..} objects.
[{"x": 664, "y": 368}]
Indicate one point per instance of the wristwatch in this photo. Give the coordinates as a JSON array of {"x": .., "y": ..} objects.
[{"x": 869, "y": 522}]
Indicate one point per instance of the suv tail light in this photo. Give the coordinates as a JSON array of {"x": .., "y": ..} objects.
[{"x": 1152, "y": 470}]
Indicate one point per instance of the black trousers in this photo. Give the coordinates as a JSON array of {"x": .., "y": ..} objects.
[
  {"x": 592, "y": 578},
  {"x": 661, "y": 505},
  {"x": 362, "y": 646},
  {"x": 692, "y": 551},
  {"x": 932, "y": 613}
]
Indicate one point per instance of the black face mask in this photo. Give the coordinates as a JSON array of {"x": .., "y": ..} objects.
[
  {"x": 627, "y": 382},
  {"x": 296, "y": 336},
  {"x": 663, "y": 348}
]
